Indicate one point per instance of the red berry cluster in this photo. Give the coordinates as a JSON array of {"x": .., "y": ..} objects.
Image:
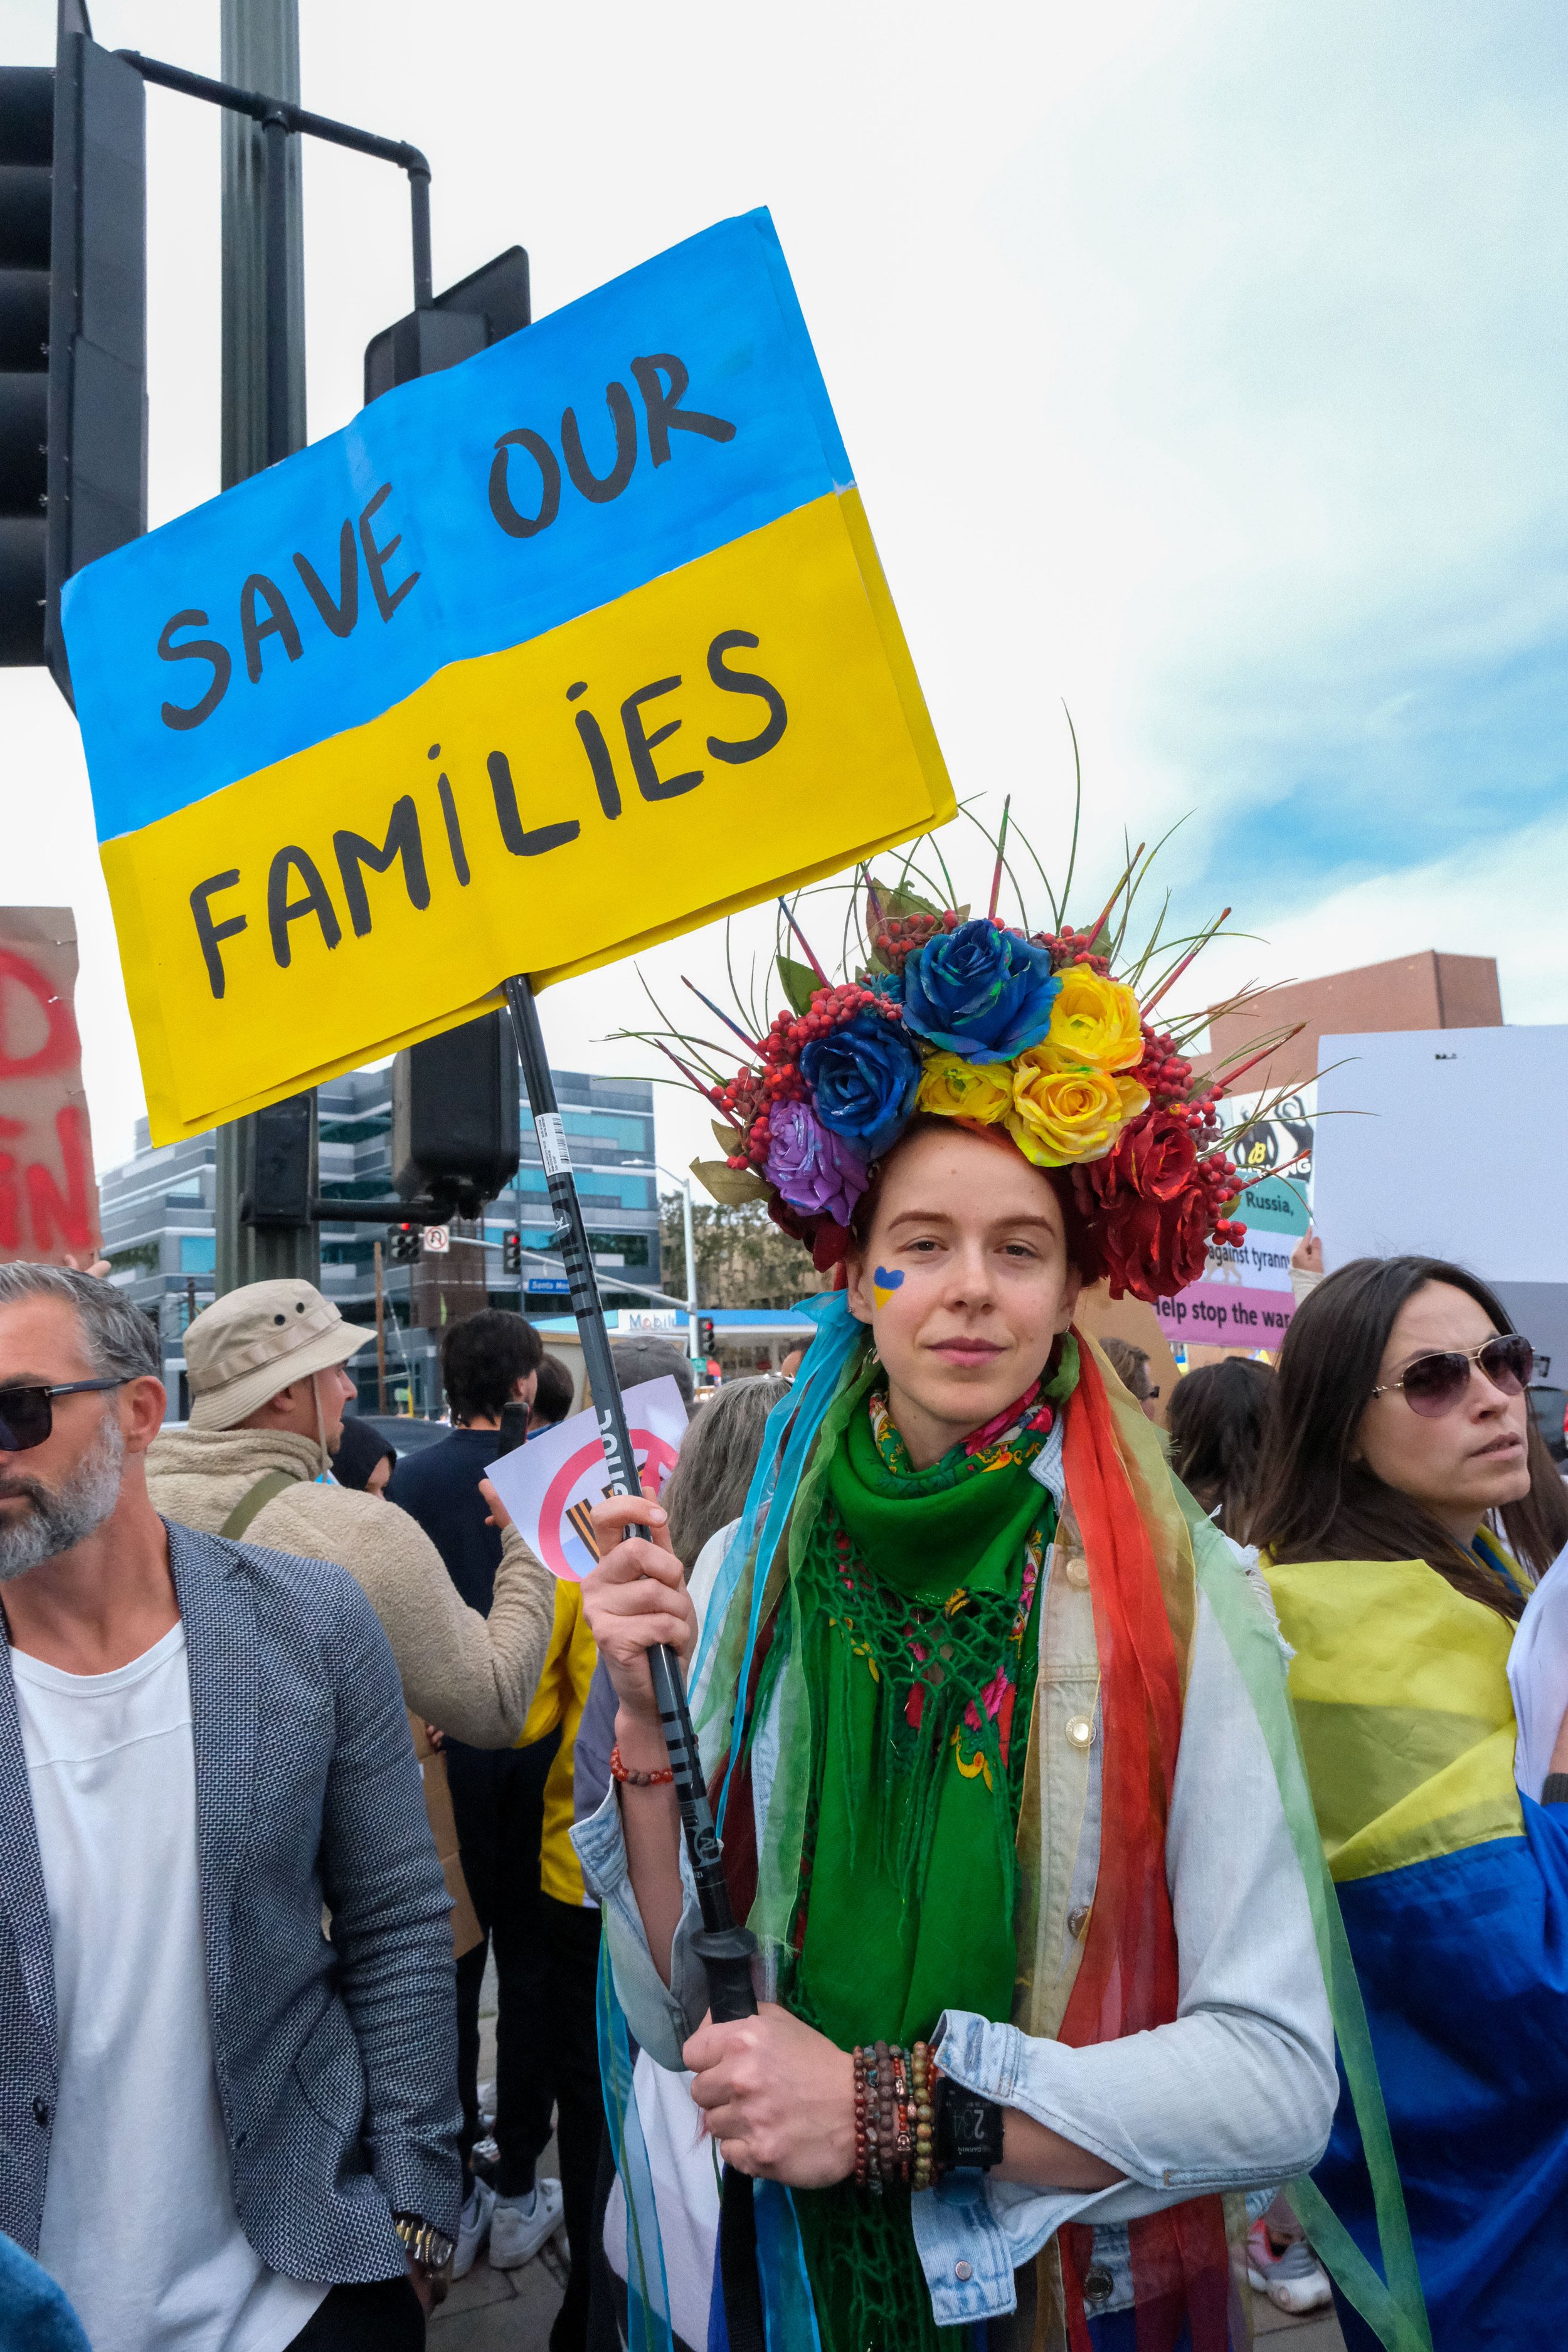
[
  {"x": 1164, "y": 1076},
  {"x": 897, "y": 935},
  {"x": 744, "y": 1101},
  {"x": 1068, "y": 946}
]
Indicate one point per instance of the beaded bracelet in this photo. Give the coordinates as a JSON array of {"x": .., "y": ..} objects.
[
  {"x": 894, "y": 2138},
  {"x": 619, "y": 1771}
]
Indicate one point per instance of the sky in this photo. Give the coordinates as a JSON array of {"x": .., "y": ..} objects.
[{"x": 1202, "y": 366}]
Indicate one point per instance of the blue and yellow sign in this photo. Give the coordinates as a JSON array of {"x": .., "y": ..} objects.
[{"x": 540, "y": 660}]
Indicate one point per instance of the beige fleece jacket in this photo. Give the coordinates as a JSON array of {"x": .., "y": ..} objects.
[{"x": 475, "y": 1676}]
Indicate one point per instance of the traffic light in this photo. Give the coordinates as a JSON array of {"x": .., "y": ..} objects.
[
  {"x": 73, "y": 367},
  {"x": 276, "y": 1178},
  {"x": 705, "y": 1335},
  {"x": 455, "y": 1133},
  {"x": 468, "y": 318},
  {"x": 511, "y": 1253},
  {"x": 404, "y": 1244}
]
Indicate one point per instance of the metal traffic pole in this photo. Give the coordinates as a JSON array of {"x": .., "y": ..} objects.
[{"x": 724, "y": 1947}]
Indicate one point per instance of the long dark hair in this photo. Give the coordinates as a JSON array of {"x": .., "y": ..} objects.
[
  {"x": 1316, "y": 1503},
  {"x": 1217, "y": 1419}
]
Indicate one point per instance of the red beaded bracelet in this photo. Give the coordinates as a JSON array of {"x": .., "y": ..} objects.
[{"x": 619, "y": 1771}]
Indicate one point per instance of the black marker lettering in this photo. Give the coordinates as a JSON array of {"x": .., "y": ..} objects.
[
  {"x": 599, "y": 760},
  {"x": 280, "y": 623},
  {"x": 207, "y": 649},
  {"x": 520, "y": 841},
  {"x": 353, "y": 853},
  {"x": 665, "y": 414},
  {"x": 211, "y": 934},
  {"x": 281, "y": 911},
  {"x": 521, "y": 526},
  {"x": 650, "y": 783},
  {"x": 454, "y": 830},
  {"x": 618, "y": 401},
  {"x": 744, "y": 681},
  {"x": 339, "y": 617},
  {"x": 376, "y": 559}
]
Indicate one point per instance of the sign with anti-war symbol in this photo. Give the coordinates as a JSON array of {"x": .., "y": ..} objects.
[{"x": 560, "y": 652}]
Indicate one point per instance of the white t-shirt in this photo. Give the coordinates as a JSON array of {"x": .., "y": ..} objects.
[{"x": 140, "y": 2227}]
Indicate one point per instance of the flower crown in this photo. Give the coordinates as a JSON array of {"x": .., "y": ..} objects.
[{"x": 977, "y": 1019}]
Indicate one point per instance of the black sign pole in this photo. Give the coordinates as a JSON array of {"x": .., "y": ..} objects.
[{"x": 725, "y": 1948}]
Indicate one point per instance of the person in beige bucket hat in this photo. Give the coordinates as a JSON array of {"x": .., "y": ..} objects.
[
  {"x": 268, "y": 1392},
  {"x": 254, "y": 1343}
]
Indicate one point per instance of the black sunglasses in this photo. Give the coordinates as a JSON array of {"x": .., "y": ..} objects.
[
  {"x": 1433, "y": 1384},
  {"x": 27, "y": 1416}
]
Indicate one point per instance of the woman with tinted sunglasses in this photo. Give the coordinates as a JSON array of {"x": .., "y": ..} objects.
[{"x": 1406, "y": 1506}]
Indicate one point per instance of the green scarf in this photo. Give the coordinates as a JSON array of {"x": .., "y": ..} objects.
[{"x": 916, "y": 1591}]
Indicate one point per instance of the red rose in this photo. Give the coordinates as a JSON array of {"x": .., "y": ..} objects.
[{"x": 1149, "y": 1208}]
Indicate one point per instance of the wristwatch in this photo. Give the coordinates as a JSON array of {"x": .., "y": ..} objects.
[
  {"x": 426, "y": 2248},
  {"x": 968, "y": 2137}
]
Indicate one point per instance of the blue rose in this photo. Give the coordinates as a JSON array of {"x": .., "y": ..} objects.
[
  {"x": 863, "y": 1079},
  {"x": 985, "y": 995}
]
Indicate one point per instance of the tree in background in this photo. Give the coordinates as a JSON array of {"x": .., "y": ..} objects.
[{"x": 743, "y": 1259}]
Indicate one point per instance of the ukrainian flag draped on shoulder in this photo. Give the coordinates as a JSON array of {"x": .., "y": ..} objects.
[{"x": 1454, "y": 1890}]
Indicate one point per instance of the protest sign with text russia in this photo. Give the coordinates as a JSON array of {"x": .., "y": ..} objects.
[{"x": 558, "y": 652}]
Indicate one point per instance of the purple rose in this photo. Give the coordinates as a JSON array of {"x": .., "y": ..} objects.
[{"x": 814, "y": 1170}]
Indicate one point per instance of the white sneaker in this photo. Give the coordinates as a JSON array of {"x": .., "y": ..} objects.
[
  {"x": 479, "y": 2207},
  {"x": 520, "y": 2225}
]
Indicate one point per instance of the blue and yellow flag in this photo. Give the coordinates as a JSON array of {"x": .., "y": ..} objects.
[
  {"x": 538, "y": 661},
  {"x": 1454, "y": 1890}
]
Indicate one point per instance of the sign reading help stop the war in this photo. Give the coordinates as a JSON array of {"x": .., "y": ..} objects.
[
  {"x": 540, "y": 659},
  {"x": 551, "y": 1484}
]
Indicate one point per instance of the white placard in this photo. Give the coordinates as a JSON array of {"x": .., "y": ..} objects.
[
  {"x": 552, "y": 1135},
  {"x": 1448, "y": 1144},
  {"x": 562, "y": 1471},
  {"x": 1538, "y": 1676},
  {"x": 436, "y": 1241}
]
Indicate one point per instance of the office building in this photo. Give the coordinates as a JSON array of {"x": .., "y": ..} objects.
[{"x": 159, "y": 1237}]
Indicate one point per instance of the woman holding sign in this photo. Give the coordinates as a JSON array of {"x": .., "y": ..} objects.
[{"x": 981, "y": 1693}]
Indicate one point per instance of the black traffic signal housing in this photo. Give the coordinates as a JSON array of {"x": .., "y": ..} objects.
[
  {"x": 73, "y": 339},
  {"x": 277, "y": 1177},
  {"x": 705, "y": 1335},
  {"x": 511, "y": 1253},
  {"x": 455, "y": 1116},
  {"x": 404, "y": 1244},
  {"x": 468, "y": 318}
]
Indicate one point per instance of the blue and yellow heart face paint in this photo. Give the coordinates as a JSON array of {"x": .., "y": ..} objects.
[
  {"x": 540, "y": 660},
  {"x": 884, "y": 1284}
]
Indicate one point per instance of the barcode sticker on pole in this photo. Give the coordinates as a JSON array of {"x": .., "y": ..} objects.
[{"x": 553, "y": 1144}]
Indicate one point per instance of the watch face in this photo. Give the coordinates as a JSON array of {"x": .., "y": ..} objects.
[{"x": 969, "y": 2129}]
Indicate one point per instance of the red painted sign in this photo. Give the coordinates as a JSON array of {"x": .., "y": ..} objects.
[{"x": 49, "y": 1199}]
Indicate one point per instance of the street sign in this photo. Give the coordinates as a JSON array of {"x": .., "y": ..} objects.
[
  {"x": 436, "y": 1240},
  {"x": 605, "y": 592}
]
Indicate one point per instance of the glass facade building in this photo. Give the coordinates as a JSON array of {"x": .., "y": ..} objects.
[{"x": 159, "y": 1235}]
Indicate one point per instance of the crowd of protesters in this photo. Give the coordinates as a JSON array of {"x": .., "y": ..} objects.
[{"x": 264, "y": 1825}]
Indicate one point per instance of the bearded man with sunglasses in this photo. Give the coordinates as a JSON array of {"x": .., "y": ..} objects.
[{"x": 220, "y": 2131}]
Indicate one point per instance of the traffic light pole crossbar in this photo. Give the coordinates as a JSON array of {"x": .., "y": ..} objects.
[{"x": 280, "y": 119}]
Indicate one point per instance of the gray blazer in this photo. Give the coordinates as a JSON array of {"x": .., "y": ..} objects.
[{"x": 336, "y": 2061}]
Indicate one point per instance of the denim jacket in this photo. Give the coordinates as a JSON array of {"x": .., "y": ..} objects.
[{"x": 1238, "y": 2091}]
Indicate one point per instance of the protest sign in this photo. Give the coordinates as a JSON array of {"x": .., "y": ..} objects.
[
  {"x": 48, "y": 1200},
  {"x": 1244, "y": 1298},
  {"x": 550, "y": 1485},
  {"x": 541, "y": 659}
]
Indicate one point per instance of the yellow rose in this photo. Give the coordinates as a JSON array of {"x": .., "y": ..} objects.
[
  {"x": 1094, "y": 1024},
  {"x": 955, "y": 1088},
  {"x": 1059, "y": 1116}
]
